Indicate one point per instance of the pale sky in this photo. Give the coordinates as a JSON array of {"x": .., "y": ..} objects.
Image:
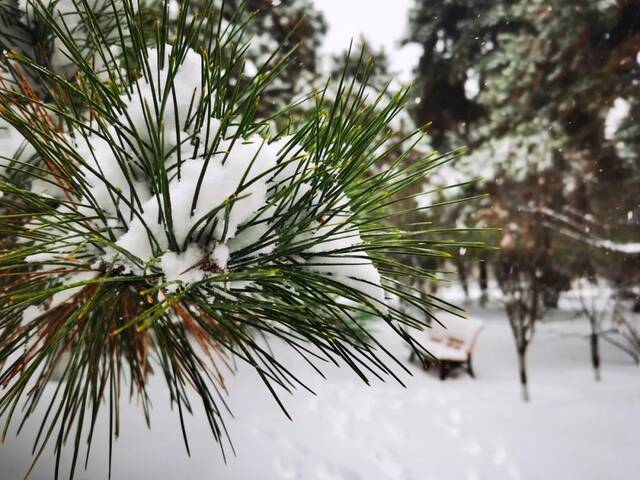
[{"x": 382, "y": 22}]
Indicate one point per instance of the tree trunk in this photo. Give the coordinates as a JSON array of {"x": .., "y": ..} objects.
[
  {"x": 551, "y": 297},
  {"x": 484, "y": 282},
  {"x": 595, "y": 354},
  {"x": 462, "y": 274},
  {"x": 522, "y": 367}
]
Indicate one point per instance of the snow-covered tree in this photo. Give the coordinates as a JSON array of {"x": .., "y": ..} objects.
[
  {"x": 543, "y": 95},
  {"x": 532, "y": 88}
]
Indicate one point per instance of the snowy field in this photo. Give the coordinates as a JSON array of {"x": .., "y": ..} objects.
[{"x": 467, "y": 429}]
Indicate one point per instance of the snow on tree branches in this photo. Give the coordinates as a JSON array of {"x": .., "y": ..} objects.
[{"x": 158, "y": 214}]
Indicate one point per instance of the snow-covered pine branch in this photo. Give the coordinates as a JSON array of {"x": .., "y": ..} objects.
[{"x": 161, "y": 222}]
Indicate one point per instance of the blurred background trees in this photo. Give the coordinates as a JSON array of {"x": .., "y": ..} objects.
[{"x": 545, "y": 95}]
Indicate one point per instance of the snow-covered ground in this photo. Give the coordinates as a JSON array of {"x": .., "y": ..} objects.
[{"x": 574, "y": 427}]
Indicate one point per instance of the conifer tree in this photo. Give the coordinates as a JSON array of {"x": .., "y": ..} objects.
[{"x": 543, "y": 94}]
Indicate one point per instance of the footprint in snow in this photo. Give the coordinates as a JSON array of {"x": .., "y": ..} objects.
[
  {"x": 452, "y": 430},
  {"x": 473, "y": 448},
  {"x": 472, "y": 474},
  {"x": 286, "y": 470},
  {"x": 389, "y": 466},
  {"x": 333, "y": 473},
  {"x": 455, "y": 416},
  {"x": 513, "y": 472},
  {"x": 392, "y": 433},
  {"x": 500, "y": 456}
]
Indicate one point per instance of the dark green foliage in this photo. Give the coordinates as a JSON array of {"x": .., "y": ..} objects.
[{"x": 547, "y": 73}]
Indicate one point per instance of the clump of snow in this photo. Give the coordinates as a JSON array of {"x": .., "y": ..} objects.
[
  {"x": 220, "y": 256},
  {"x": 340, "y": 258},
  {"x": 147, "y": 94},
  {"x": 630, "y": 248},
  {"x": 615, "y": 116},
  {"x": 529, "y": 150},
  {"x": 472, "y": 84},
  {"x": 217, "y": 200},
  {"x": 193, "y": 265},
  {"x": 183, "y": 267},
  {"x": 517, "y": 155},
  {"x": 358, "y": 274},
  {"x": 173, "y": 10}
]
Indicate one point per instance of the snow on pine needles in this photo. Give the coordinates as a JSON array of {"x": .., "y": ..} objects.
[
  {"x": 219, "y": 199},
  {"x": 161, "y": 221}
]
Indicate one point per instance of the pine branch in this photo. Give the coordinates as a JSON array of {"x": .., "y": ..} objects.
[{"x": 182, "y": 231}]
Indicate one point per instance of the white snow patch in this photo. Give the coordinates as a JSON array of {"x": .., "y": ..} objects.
[
  {"x": 442, "y": 430},
  {"x": 615, "y": 116}
]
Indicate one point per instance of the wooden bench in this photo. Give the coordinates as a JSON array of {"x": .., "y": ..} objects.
[{"x": 451, "y": 346}]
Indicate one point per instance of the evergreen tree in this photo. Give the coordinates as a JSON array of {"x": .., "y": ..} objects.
[
  {"x": 283, "y": 29},
  {"x": 530, "y": 87}
]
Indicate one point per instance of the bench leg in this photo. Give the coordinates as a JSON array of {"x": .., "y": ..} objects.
[
  {"x": 444, "y": 371},
  {"x": 470, "y": 368}
]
